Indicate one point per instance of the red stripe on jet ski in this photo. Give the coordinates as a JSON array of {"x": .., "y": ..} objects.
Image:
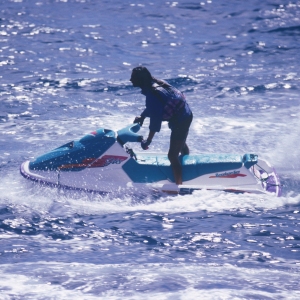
[
  {"x": 229, "y": 176},
  {"x": 96, "y": 163},
  {"x": 107, "y": 160}
]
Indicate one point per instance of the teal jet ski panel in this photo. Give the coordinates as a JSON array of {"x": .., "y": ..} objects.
[
  {"x": 128, "y": 134},
  {"x": 194, "y": 166},
  {"x": 76, "y": 155},
  {"x": 144, "y": 169},
  {"x": 250, "y": 160},
  {"x": 155, "y": 168}
]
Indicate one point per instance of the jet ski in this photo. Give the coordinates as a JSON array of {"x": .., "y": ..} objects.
[{"x": 103, "y": 162}]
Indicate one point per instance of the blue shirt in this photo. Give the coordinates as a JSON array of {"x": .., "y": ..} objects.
[{"x": 156, "y": 108}]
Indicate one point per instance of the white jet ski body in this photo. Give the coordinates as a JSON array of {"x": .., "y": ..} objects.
[{"x": 101, "y": 162}]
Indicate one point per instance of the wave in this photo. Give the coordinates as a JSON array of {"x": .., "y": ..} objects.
[
  {"x": 88, "y": 84},
  {"x": 177, "y": 280},
  {"x": 261, "y": 88},
  {"x": 182, "y": 82},
  {"x": 192, "y": 6},
  {"x": 288, "y": 31}
]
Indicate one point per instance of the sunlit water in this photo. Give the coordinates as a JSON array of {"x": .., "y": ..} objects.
[{"x": 65, "y": 68}]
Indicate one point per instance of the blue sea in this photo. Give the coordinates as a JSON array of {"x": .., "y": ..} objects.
[{"x": 65, "y": 69}]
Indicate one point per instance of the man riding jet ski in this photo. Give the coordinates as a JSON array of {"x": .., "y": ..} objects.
[{"x": 164, "y": 103}]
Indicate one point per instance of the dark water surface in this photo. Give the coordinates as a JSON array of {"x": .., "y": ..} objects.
[{"x": 65, "y": 68}]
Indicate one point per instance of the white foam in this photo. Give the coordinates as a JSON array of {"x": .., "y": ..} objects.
[
  {"x": 287, "y": 153},
  {"x": 40, "y": 280},
  {"x": 17, "y": 190}
]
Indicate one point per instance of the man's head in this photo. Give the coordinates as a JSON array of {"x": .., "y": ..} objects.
[{"x": 141, "y": 77}]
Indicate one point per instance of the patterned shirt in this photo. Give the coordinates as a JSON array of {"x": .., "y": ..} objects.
[{"x": 165, "y": 103}]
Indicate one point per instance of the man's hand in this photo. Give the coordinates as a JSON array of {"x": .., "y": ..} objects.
[
  {"x": 145, "y": 144},
  {"x": 139, "y": 120}
]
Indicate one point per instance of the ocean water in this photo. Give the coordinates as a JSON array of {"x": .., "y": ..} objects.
[{"x": 65, "y": 68}]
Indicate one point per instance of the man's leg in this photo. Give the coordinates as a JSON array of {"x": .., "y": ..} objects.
[
  {"x": 175, "y": 147},
  {"x": 185, "y": 149},
  {"x": 178, "y": 145}
]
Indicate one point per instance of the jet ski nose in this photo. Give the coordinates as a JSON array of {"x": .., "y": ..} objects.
[{"x": 74, "y": 155}]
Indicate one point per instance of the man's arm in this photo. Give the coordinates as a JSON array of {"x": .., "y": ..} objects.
[
  {"x": 150, "y": 136},
  {"x": 145, "y": 143}
]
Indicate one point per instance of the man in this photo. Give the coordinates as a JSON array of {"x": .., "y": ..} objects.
[{"x": 164, "y": 103}]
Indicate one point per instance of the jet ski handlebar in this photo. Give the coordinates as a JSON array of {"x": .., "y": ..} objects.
[{"x": 129, "y": 134}]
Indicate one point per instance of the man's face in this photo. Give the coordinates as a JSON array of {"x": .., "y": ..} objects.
[{"x": 134, "y": 80}]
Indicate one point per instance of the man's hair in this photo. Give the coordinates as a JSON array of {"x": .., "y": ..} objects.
[{"x": 142, "y": 76}]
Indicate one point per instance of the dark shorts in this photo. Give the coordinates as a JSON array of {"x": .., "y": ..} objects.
[{"x": 180, "y": 130}]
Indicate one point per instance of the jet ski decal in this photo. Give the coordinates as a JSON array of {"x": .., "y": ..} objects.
[
  {"x": 104, "y": 161},
  {"x": 233, "y": 174}
]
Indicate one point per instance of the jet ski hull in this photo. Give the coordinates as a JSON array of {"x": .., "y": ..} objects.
[{"x": 101, "y": 162}]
